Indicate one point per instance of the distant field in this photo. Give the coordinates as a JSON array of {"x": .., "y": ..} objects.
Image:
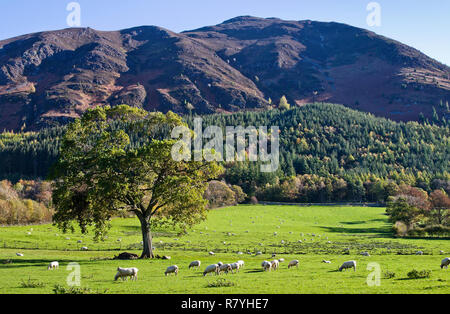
[{"x": 226, "y": 232}]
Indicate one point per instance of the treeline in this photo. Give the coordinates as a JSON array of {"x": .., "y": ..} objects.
[
  {"x": 329, "y": 152},
  {"x": 417, "y": 213},
  {"x": 26, "y": 202}
]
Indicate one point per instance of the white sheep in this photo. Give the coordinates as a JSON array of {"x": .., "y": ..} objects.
[
  {"x": 445, "y": 262},
  {"x": 267, "y": 266},
  {"x": 84, "y": 248},
  {"x": 235, "y": 266},
  {"x": 349, "y": 264},
  {"x": 53, "y": 265},
  {"x": 241, "y": 264},
  {"x": 211, "y": 253},
  {"x": 293, "y": 263},
  {"x": 281, "y": 260},
  {"x": 124, "y": 273},
  {"x": 171, "y": 270},
  {"x": 225, "y": 268},
  {"x": 195, "y": 264},
  {"x": 211, "y": 268},
  {"x": 19, "y": 254},
  {"x": 326, "y": 262},
  {"x": 275, "y": 264}
]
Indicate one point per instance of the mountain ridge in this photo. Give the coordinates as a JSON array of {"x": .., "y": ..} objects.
[{"x": 53, "y": 77}]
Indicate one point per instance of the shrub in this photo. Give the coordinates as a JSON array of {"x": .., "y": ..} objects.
[
  {"x": 59, "y": 289},
  {"x": 389, "y": 274},
  {"x": 219, "y": 195},
  {"x": 32, "y": 283},
  {"x": 419, "y": 274},
  {"x": 221, "y": 282}
]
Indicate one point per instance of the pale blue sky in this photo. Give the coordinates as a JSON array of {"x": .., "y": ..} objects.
[{"x": 422, "y": 24}]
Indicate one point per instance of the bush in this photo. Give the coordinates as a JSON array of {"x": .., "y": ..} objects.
[
  {"x": 416, "y": 274},
  {"x": 59, "y": 289},
  {"x": 219, "y": 195},
  {"x": 221, "y": 282},
  {"x": 389, "y": 275},
  {"x": 31, "y": 283}
]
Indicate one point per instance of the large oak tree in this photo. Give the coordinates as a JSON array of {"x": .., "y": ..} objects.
[{"x": 101, "y": 172}]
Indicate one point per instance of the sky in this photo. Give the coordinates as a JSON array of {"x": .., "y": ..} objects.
[{"x": 424, "y": 25}]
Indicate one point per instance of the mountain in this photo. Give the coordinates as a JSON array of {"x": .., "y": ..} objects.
[{"x": 52, "y": 77}]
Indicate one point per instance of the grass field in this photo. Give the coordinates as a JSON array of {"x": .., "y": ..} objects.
[{"x": 324, "y": 232}]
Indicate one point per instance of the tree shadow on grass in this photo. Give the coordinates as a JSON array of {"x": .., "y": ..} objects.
[
  {"x": 16, "y": 263},
  {"x": 382, "y": 232}
]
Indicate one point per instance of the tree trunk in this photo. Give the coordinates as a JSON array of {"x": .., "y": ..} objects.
[{"x": 147, "y": 251}]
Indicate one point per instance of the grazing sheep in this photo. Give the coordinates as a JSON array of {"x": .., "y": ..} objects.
[
  {"x": 349, "y": 264},
  {"x": 171, "y": 270},
  {"x": 326, "y": 262},
  {"x": 53, "y": 265},
  {"x": 275, "y": 264},
  {"x": 124, "y": 273},
  {"x": 258, "y": 253},
  {"x": 445, "y": 262},
  {"x": 195, "y": 264},
  {"x": 225, "y": 268},
  {"x": 211, "y": 268},
  {"x": 220, "y": 264},
  {"x": 84, "y": 248},
  {"x": 293, "y": 263},
  {"x": 281, "y": 260},
  {"x": 211, "y": 253},
  {"x": 419, "y": 253},
  {"x": 241, "y": 264},
  {"x": 235, "y": 266},
  {"x": 267, "y": 266},
  {"x": 19, "y": 254},
  {"x": 365, "y": 254},
  {"x": 441, "y": 252}
]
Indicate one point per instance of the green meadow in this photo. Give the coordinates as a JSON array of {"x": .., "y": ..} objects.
[{"x": 251, "y": 233}]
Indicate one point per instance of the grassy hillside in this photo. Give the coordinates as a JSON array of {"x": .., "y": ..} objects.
[{"x": 242, "y": 228}]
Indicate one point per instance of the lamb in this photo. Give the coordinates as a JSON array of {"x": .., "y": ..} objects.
[
  {"x": 124, "y": 273},
  {"x": 445, "y": 262},
  {"x": 171, "y": 270},
  {"x": 195, "y": 264},
  {"x": 53, "y": 265},
  {"x": 349, "y": 264},
  {"x": 225, "y": 268},
  {"x": 267, "y": 266},
  {"x": 211, "y": 268},
  {"x": 293, "y": 263}
]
